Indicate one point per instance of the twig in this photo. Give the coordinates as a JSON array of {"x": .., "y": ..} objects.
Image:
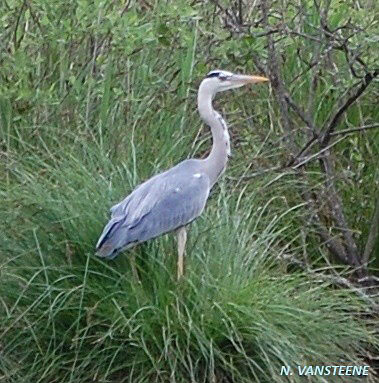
[
  {"x": 301, "y": 114},
  {"x": 334, "y": 279},
  {"x": 335, "y": 119},
  {"x": 311, "y": 142},
  {"x": 336, "y": 209},
  {"x": 276, "y": 81},
  {"x": 317, "y": 155},
  {"x": 354, "y": 130},
  {"x": 16, "y": 43},
  {"x": 303, "y": 150},
  {"x": 291, "y": 165}
]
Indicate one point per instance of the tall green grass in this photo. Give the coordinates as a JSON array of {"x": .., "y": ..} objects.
[{"x": 237, "y": 316}]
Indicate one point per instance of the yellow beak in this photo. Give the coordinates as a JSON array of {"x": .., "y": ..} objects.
[
  {"x": 241, "y": 79},
  {"x": 255, "y": 79},
  {"x": 252, "y": 79}
]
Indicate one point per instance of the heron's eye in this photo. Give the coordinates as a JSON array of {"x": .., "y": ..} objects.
[
  {"x": 213, "y": 74},
  {"x": 222, "y": 77}
]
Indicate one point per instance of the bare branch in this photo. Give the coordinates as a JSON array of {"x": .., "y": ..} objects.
[
  {"x": 354, "y": 130},
  {"x": 332, "y": 243},
  {"x": 336, "y": 209},
  {"x": 293, "y": 164},
  {"x": 335, "y": 119},
  {"x": 312, "y": 141},
  {"x": 16, "y": 43},
  {"x": 362, "y": 291},
  {"x": 304, "y": 149},
  {"x": 301, "y": 114},
  {"x": 317, "y": 155},
  {"x": 276, "y": 81}
]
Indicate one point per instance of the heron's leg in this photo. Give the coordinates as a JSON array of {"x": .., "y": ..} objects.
[
  {"x": 134, "y": 267},
  {"x": 182, "y": 238}
]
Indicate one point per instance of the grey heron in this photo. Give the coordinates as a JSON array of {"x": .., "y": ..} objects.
[{"x": 172, "y": 199}]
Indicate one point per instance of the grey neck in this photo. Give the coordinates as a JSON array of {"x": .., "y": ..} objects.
[{"x": 215, "y": 163}]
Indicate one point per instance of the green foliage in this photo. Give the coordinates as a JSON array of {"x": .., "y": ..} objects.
[
  {"x": 238, "y": 315},
  {"x": 95, "y": 98}
]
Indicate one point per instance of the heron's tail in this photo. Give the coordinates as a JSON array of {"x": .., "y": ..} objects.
[{"x": 108, "y": 244}]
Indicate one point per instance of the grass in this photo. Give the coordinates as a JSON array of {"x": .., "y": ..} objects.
[
  {"x": 79, "y": 130},
  {"x": 238, "y": 316}
]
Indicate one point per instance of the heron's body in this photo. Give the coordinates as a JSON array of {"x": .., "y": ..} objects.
[
  {"x": 174, "y": 198},
  {"x": 183, "y": 192}
]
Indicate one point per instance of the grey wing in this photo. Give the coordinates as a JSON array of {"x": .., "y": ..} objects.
[{"x": 162, "y": 204}]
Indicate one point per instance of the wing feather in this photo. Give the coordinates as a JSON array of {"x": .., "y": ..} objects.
[{"x": 161, "y": 204}]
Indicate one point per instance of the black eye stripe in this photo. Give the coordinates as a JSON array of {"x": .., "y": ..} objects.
[
  {"x": 213, "y": 74},
  {"x": 221, "y": 76}
]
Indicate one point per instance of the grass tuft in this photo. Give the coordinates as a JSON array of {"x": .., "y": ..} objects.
[{"x": 238, "y": 316}]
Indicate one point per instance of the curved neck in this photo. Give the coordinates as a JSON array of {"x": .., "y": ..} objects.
[{"x": 215, "y": 163}]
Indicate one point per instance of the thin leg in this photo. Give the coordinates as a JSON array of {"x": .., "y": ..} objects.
[
  {"x": 134, "y": 267},
  {"x": 182, "y": 238}
]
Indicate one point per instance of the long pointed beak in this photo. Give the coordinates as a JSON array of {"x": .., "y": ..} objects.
[{"x": 245, "y": 79}]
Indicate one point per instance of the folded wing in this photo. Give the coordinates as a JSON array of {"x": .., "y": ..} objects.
[{"x": 162, "y": 204}]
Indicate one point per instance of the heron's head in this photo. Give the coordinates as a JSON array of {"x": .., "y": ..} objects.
[{"x": 220, "y": 80}]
